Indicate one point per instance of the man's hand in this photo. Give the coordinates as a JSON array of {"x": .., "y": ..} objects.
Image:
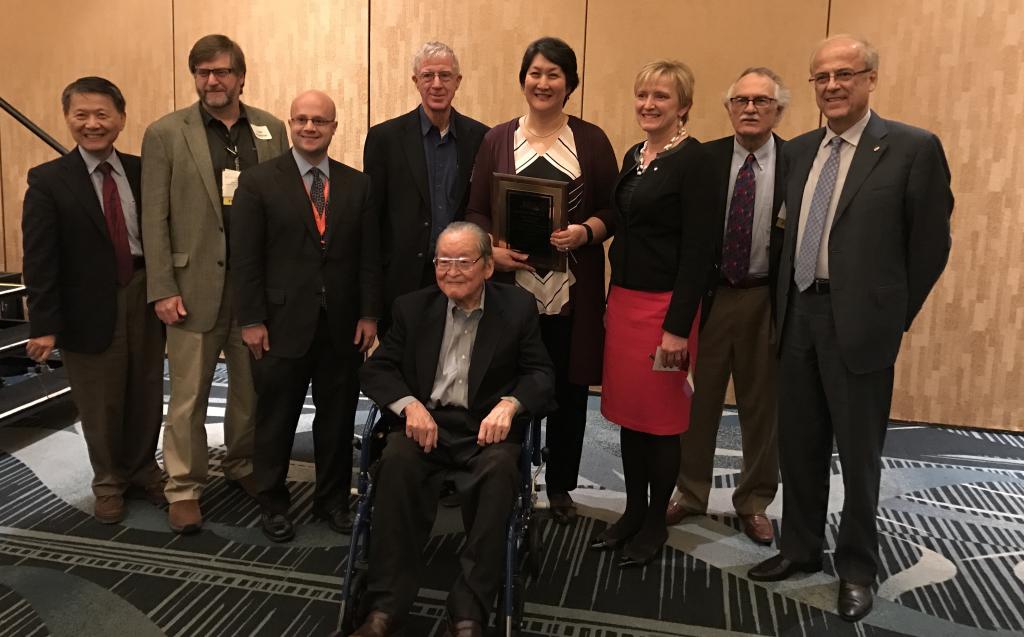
[
  {"x": 171, "y": 310},
  {"x": 366, "y": 333},
  {"x": 494, "y": 428},
  {"x": 257, "y": 339},
  {"x": 420, "y": 426},
  {"x": 507, "y": 260},
  {"x": 39, "y": 348},
  {"x": 675, "y": 348}
]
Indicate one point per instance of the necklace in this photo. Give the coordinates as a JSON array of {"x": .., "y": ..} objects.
[
  {"x": 538, "y": 135},
  {"x": 678, "y": 137}
]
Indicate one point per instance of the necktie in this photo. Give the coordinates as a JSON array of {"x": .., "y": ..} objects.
[
  {"x": 736, "y": 247},
  {"x": 807, "y": 256},
  {"x": 317, "y": 196},
  {"x": 115, "y": 225}
]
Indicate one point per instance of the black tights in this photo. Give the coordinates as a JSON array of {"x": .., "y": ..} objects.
[{"x": 650, "y": 464}]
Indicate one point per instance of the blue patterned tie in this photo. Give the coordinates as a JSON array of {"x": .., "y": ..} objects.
[
  {"x": 736, "y": 247},
  {"x": 316, "y": 191},
  {"x": 807, "y": 256}
]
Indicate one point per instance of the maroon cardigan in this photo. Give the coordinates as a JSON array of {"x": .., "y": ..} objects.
[{"x": 599, "y": 170}]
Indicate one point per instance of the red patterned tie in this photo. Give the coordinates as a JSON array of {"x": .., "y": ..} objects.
[
  {"x": 115, "y": 225},
  {"x": 736, "y": 247}
]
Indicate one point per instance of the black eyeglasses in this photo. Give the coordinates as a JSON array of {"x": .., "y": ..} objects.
[
  {"x": 462, "y": 264},
  {"x": 842, "y": 76},
  {"x": 220, "y": 74},
  {"x": 761, "y": 102}
]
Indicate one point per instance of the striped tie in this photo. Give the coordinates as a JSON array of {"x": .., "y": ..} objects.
[{"x": 807, "y": 256}]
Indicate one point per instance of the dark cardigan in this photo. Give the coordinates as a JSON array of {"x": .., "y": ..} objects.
[
  {"x": 666, "y": 241},
  {"x": 597, "y": 163}
]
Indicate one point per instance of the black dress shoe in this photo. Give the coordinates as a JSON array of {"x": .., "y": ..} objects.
[
  {"x": 778, "y": 568},
  {"x": 563, "y": 509},
  {"x": 604, "y": 543},
  {"x": 277, "y": 527},
  {"x": 855, "y": 601},
  {"x": 340, "y": 520},
  {"x": 631, "y": 561}
]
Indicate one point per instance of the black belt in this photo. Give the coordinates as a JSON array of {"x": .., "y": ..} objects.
[
  {"x": 138, "y": 263},
  {"x": 744, "y": 284},
  {"x": 818, "y": 286}
]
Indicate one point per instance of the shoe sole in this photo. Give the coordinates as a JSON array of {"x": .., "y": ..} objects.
[
  {"x": 279, "y": 540},
  {"x": 109, "y": 520},
  {"x": 859, "y": 616},
  {"x": 187, "y": 529},
  {"x": 796, "y": 571}
]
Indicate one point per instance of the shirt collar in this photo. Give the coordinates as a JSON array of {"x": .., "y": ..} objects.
[
  {"x": 452, "y": 308},
  {"x": 762, "y": 155},
  {"x": 92, "y": 161},
  {"x": 852, "y": 134},
  {"x": 305, "y": 166},
  {"x": 426, "y": 124},
  {"x": 209, "y": 119}
]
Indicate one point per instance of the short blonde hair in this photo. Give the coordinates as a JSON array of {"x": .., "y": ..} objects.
[
  {"x": 678, "y": 73},
  {"x": 867, "y": 50}
]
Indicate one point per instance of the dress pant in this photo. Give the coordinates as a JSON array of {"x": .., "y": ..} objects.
[
  {"x": 192, "y": 359},
  {"x": 819, "y": 398},
  {"x": 736, "y": 341},
  {"x": 281, "y": 385},
  {"x": 119, "y": 393},
  {"x": 405, "y": 505},
  {"x": 566, "y": 425}
]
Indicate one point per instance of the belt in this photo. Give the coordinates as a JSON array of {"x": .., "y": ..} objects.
[
  {"x": 818, "y": 286},
  {"x": 744, "y": 284},
  {"x": 138, "y": 263}
]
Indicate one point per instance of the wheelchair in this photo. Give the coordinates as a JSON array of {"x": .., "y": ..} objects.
[{"x": 522, "y": 541}]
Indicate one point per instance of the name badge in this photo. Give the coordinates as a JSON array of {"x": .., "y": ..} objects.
[
  {"x": 228, "y": 185},
  {"x": 261, "y": 132}
]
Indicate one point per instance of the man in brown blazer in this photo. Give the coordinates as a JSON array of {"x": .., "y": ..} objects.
[{"x": 191, "y": 162}]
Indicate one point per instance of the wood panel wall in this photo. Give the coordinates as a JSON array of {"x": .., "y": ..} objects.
[{"x": 954, "y": 67}]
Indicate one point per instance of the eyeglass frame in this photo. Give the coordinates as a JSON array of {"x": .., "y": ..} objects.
[
  {"x": 826, "y": 77},
  {"x": 735, "y": 104},
  {"x": 462, "y": 264},
  {"x": 219, "y": 73},
  {"x": 302, "y": 120},
  {"x": 427, "y": 77}
]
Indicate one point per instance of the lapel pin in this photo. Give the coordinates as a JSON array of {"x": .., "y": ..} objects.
[{"x": 876, "y": 148}]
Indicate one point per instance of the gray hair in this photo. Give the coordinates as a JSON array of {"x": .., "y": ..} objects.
[
  {"x": 482, "y": 238},
  {"x": 868, "y": 50},
  {"x": 782, "y": 93},
  {"x": 434, "y": 49}
]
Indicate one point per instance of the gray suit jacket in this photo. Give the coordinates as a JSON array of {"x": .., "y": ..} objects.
[
  {"x": 182, "y": 225},
  {"x": 889, "y": 240}
]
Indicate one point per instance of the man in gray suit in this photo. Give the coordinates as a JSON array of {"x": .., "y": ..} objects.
[
  {"x": 191, "y": 160},
  {"x": 867, "y": 236}
]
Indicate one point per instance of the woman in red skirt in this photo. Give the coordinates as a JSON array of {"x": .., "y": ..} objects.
[{"x": 660, "y": 259}]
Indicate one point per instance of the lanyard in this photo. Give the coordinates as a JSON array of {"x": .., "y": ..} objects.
[{"x": 320, "y": 217}]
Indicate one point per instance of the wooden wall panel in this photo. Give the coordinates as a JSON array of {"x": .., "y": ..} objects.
[
  {"x": 44, "y": 46},
  {"x": 289, "y": 47},
  {"x": 957, "y": 68},
  {"x": 489, "y": 40}
]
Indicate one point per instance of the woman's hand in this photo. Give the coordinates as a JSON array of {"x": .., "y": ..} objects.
[
  {"x": 675, "y": 349},
  {"x": 506, "y": 260},
  {"x": 569, "y": 239}
]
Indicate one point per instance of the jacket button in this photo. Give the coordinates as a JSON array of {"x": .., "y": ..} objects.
[
  {"x": 426, "y": 224},
  {"x": 419, "y": 255},
  {"x": 221, "y": 229},
  {"x": 220, "y": 263}
]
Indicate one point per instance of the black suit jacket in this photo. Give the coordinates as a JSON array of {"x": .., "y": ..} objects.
[
  {"x": 69, "y": 265},
  {"x": 393, "y": 157},
  {"x": 889, "y": 240},
  {"x": 278, "y": 268},
  {"x": 720, "y": 152},
  {"x": 509, "y": 358}
]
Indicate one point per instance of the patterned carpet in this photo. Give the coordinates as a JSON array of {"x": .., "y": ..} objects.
[{"x": 952, "y": 522}]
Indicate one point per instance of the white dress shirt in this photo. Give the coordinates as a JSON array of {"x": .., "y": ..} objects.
[{"x": 764, "y": 195}]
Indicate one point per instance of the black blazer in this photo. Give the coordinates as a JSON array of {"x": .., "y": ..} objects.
[
  {"x": 720, "y": 153},
  {"x": 509, "y": 358},
  {"x": 278, "y": 268},
  {"x": 69, "y": 264},
  {"x": 393, "y": 158},
  {"x": 889, "y": 240}
]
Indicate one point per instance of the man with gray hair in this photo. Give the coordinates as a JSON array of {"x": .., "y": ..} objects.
[
  {"x": 736, "y": 319},
  {"x": 420, "y": 165}
]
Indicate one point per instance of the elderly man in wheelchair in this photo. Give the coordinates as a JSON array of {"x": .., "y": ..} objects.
[{"x": 459, "y": 376}]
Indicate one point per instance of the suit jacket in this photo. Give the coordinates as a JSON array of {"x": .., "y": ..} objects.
[
  {"x": 69, "y": 265},
  {"x": 393, "y": 157},
  {"x": 720, "y": 152},
  {"x": 889, "y": 240},
  {"x": 182, "y": 224},
  {"x": 509, "y": 358},
  {"x": 278, "y": 269}
]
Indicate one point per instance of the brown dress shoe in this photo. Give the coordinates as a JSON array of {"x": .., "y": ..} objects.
[
  {"x": 465, "y": 628},
  {"x": 184, "y": 516},
  {"x": 758, "y": 528},
  {"x": 108, "y": 509},
  {"x": 377, "y": 624},
  {"x": 675, "y": 513}
]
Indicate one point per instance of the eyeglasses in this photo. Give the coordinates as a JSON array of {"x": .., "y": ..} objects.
[
  {"x": 842, "y": 76},
  {"x": 427, "y": 77},
  {"x": 301, "y": 121},
  {"x": 462, "y": 264},
  {"x": 761, "y": 102},
  {"x": 220, "y": 74}
]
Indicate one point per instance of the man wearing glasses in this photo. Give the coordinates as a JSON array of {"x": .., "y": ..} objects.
[
  {"x": 191, "y": 160},
  {"x": 867, "y": 235},
  {"x": 736, "y": 313},
  {"x": 420, "y": 164},
  {"x": 460, "y": 374}
]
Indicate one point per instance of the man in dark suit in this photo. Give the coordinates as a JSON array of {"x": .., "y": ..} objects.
[
  {"x": 86, "y": 280},
  {"x": 420, "y": 164},
  {"x": 736, "y": 313},
  {"x": 459, "y": 375},
  {"x": 306, "y": 274},
  {"x": 867, "y": 236}
]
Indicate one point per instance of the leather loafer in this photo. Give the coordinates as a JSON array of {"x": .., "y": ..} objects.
[
  {"x": 758, "y": 528},
  {"x": 465, "y": 628},
  {"x": 108, "y": 509},
  {"x": 855, "y": 601},
  {"x": 277, "y": 527},
  {"x": 675, "y": 513},
  {"x": 778, "y": 568},
  {"x": 184, "y": 516},
  {"x": 340, "y": 520},
  {"x": 377, "y": 624}
]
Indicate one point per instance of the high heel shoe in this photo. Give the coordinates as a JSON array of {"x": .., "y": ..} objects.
[
  {"x": 627, "y": 561},
  {"x": 605, "y": 543}
]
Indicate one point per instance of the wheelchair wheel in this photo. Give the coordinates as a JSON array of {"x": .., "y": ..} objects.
[{"x": 351, "y": 617}]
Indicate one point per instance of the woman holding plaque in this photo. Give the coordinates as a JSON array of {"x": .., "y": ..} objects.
[
  {"x": 660, "y": 260},
  {"x": 549, "y": 144}
]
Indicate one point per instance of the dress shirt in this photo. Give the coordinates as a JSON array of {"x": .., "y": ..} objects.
[
  {"x": 764, "y": 194},
  {"x": 124, "y": 191},
  {"x": 851, "y": 138},
  {"x": 219, "y": 138},
  {"x": 305, "y": 167},
  {"x": 442, "y": 168}
]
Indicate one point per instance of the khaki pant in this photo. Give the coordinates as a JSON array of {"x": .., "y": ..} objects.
[
  {"x": 192, "y": 359},
  {"x": 736, "y": 340}
]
